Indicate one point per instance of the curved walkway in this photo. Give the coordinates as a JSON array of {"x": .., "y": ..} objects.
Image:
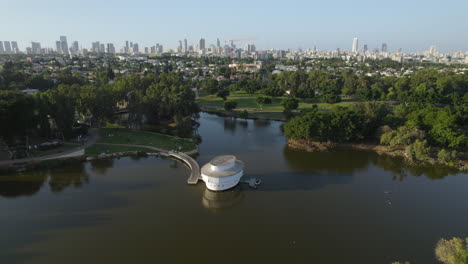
[{"x": 183, "y": 156}]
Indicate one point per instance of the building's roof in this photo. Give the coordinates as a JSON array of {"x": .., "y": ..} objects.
[
  {"x": 208, "y": 171},
  {"x": 223, "y": 160}
]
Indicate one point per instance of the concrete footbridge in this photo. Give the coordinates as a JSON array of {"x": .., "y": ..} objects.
[{"x": 193, "y": 165}]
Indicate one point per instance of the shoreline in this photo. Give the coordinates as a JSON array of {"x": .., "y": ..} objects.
[{"x": 461, "y": 165}]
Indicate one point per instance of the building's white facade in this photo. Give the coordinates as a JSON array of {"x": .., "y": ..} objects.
[{"x": 222, "y": 173}]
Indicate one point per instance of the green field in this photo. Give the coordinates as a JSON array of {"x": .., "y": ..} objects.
[
  {"x": 126, "y": 136},
  {"x": 247, "y": 101}
]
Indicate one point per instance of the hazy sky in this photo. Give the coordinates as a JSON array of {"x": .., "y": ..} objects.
[{"x": 412, "y": 25}]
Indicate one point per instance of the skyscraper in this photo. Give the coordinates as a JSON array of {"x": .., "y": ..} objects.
[
  {"x": 14, "y": 47},
  {"x": 135, "y": 48},
  {"x": 2, "y": 50},
  {"x": 384, "y": 47},
  {"x": 433, "y": 50},
  {"x": 218, "y": 43},
  {"x": 201, "y": 46},
  {"x": 75, "y": 47},
  {"x": 355, "y": 45},
  {"x": 7, "y": 47},
  {"x": 58, "y": 46},
  {"x": 64, "y": 45},
  {"x": 185, "y": 46},
  {"x": 110, "y": 48},
  {"x": 365, "y": 48},
  {"x": 35, "y": 48}
]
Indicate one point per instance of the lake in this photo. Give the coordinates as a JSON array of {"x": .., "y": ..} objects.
[{"x": 330, "y": 207}]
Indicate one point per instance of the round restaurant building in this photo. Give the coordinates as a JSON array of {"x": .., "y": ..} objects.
[{"x": 222, "y": 173}]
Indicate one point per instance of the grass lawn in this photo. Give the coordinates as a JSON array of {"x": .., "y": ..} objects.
[
  {"x": 247, "y": 101},
  {"x": 126, "y": 136},
  {"x": 98, "y": 149}
]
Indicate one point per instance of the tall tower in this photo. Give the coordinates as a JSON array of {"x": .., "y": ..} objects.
[
  {"x": 14, "y": 47},
  {"x": 185, "y": 46},
  {"x": 218, "y": 43},
  {"x": 64, "y": 45},
  {"x": 355, "y": 45},
  {"x": 384, "y": 47},
  {"x": 2, "y": 50},
  {"x": 202, "y": 44},
  {"x": 7, "y": 47}
]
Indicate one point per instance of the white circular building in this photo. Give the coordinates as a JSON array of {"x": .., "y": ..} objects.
[{"x": 222, "y": 173}]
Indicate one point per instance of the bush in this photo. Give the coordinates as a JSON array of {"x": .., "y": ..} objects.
[
  {"x": 454, "y": 251},
  {"x": 446, "y": 156},
  {"x": 419, "y": 150},
  {"x": 290, "y": 103},
  {"x": 244, "y": 114},
  {"x": 229, "y": 105},
  {"x": 331, "y": 98},
  {"x": 223, "y": 94}
]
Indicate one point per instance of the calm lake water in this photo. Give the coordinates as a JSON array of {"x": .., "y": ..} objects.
[{"x": 335, "y": 207}]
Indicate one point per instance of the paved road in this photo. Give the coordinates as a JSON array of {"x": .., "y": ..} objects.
[{"x": 76, "y": 152}]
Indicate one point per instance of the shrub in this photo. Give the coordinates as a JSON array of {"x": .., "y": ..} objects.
[
  {"x": 229, "y": 105},
  {"x": 445, "y": 156},
  {"x": 331, "y": 98}
]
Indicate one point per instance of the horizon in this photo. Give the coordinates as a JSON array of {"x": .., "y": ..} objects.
[{"x": 301, "y": 24}]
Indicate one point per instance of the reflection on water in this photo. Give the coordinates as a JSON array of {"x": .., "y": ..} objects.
[{"x": 222, "y": 200}]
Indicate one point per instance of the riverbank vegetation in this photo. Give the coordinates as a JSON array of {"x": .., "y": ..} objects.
[{"x": 429, "y": 121}]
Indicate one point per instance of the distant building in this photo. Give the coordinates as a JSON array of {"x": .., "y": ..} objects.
[
  {"x": 75, "y": 47},
  {"x": 14, "y": 47},
  {"x": 384, "y": 48},
  {"x": 2, "y": 49},
  {"x": 36, "y": 48},
  {"x": 135, "y": 48},
  {"x": 365, "y": 48},
  {"x": 110, "y": 48},
  {"x": 7, "y": 47},
  {"x": 201, "y": 44},
  {"x": 58, "y": 46},
  {"x": 355, "y": 45},
  {"x": 64, "y": 45},
  {"x": 185, "y": 46}
]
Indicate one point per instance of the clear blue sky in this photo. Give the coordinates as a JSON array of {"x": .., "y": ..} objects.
[{"x": 412, "y": 25}]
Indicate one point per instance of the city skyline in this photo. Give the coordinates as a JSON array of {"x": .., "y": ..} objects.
[{"x": 300, "y": 24}]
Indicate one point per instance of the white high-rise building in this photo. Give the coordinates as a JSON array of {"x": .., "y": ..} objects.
[
  {"x": 64, "y": 45},
  {"x": 58, "y": 45},
  {"x": 433, "y": 50},
  {"x": 75, "y": 47},
  {"x": 7, "y": 47},
  {"x": 14, "y": 47},
  {"x": 355, "y": 45},
  {"x": 35, "y": 48}
]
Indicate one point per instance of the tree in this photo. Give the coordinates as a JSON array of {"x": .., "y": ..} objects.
[
  {"x": 454, "y": 251},
  {"x": 244, "y": 114},
  {"x": 331, "y": 98},
  {"x": 230, "y": 105},
  {"x": 223, "y": 94},
  {"x": 261, "y": 100},
  {"x": 290, "y": 103}
]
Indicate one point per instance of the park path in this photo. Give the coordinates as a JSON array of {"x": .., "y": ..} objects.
[{"x": 76, "y": 152}]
